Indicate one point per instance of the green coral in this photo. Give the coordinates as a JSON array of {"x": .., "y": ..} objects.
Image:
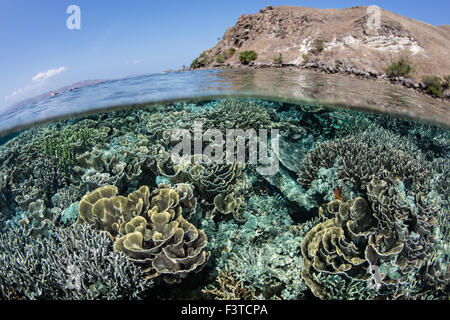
[
  {"x": 344, "y": 288},
  {"x": 62, "y": 146}
]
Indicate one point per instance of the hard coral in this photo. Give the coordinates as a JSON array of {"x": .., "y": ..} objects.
[
  {"x": 228, "y": 288},
  {"x": 150, "y": 229},
  {"x": 337, "y": 245},
  {"x": 73, "y": 263},
  {"x": 395, "y": 233},
  {"x": 372, "y": 154}
]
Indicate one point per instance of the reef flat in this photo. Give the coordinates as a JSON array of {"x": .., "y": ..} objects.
[{"x": 97, "y": 207}]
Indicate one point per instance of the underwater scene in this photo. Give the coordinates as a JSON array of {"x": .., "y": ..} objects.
[{"x": 230, "y": 198}]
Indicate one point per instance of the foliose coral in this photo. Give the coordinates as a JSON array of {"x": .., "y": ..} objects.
[
  {"x": 151, "y": 232},
  {"x": 395, "y": 233},
  {"x": 210, "y": 177}
]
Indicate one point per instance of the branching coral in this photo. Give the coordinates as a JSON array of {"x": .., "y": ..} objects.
[
  {"x": 395, "y": 172},
  {"x": 373, "y": 154},
  {"x": 74, "y": 263},
  {"x": 61, "y": 146},
  {"x": 241, "y": 114},
  {"x": 228, "y": 288}
]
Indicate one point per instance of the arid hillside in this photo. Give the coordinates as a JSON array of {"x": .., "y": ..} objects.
[{"x": 341, "y": 39}]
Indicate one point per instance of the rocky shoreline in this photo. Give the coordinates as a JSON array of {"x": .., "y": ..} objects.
[{"x": 321, "y": 67}]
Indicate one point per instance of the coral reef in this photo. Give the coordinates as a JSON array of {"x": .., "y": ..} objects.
[
  {"x": 358, "y": 209},
  {"x": 228, "y": 204},
  {"x": 394, "y": 233},
  {"x": 364, "y": 157},
  {"x": 210, "y": 178},
  {"x": 74, "y": 263},
  {"x": 228, "y": 288},
  {"x": 151, "y": 232},
  {"x": 261, "y": 253},
  {"x": 241, "y": 114}
]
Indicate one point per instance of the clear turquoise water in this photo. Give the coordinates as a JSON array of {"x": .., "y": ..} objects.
[{"x": 95, "y": 206}]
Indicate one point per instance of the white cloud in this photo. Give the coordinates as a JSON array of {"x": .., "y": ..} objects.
[
  {"x": 16, "y": 93},
  {"x": 37, "y": 84},
  {"x": 48, "y": 74},
  {"x": 133, "y": 62}
]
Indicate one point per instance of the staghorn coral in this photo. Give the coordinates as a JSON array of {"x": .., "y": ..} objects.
[
  {"x": 150, "y": 229},
  {"x": 241, "y": 114},
  {"x": 228, "y": 288},
  {"x": 48, "y": 177},
  {"x": 61, "y": 146},
  {"x": 74, "y": 263},
  {"x": 373, "y": 153}
]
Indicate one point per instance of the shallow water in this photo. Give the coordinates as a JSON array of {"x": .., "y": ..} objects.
[
  {"x": 319, "y": 203},
  {"x": 273, "y": 84}
]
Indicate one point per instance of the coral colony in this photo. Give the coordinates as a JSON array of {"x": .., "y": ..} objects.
[{"x": 226, "y": 199}]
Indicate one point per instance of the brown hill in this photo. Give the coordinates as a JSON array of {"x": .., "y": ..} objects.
[{"x": 339, "y": 38}]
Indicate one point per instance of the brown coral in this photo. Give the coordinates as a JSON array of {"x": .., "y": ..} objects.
[
  {"x": 228, "y": 288},
  {"x": 105, "y": 210},
  {"x": 396, "y": 234},
  {"x": 226, "y": 204},
  {"x": 337, "y": 246},
  {"x": 150, "y": 228}
]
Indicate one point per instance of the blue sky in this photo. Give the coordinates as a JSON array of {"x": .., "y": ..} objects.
[{"x": 120, "y": 38}]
